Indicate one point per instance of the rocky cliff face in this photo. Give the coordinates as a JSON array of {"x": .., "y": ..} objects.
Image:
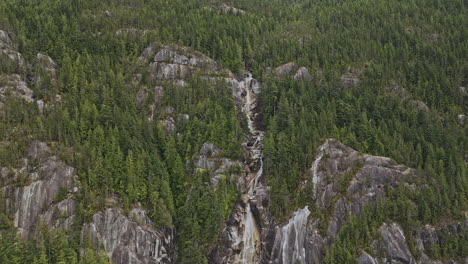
[
  {"x": 40, "y": 190},
  {"x": 345, "y": 181},
  {"x": 18, "y": 76},
  {"x": 130, "y": 239},
  {"x": 9, "y": 56},
  {"x": 219, "y": 167}
]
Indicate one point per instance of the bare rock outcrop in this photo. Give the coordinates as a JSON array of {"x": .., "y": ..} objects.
[
  {"x": 337, "y": 172},
  {"x": 48, "y": 64},
  {"x": 219, "y": 167},
  {"x": 350, "y": 78},
  {"x": 40, "y": 189},
  {"x": 178, "y": 63},
  {"x": 10, "y": 58},
  {"x": 302, "y": 74},
  {"x": 130, "y": 239},
  {"x": 5, "y": 41},
  {"x": 285, "y": 69},
  {"x": 345, "y": 181},
  {"x": 290, "y": 69},
  {"x": 14, "y": 86},
  {"x": 393, "y": 242}
]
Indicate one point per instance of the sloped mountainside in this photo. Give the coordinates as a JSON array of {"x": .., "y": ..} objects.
[
  {"x": 42, "y": 189},
  {"x": 346, "y": 182},
  {"x": 42, "y": 192},
  {"x": 233, "y": 132}
]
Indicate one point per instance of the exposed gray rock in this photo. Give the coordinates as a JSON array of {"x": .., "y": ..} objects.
[
  {"x": 132, "y": 239},
  {"x": 169, "y": 125},
  {"x": 130, "y": 32},
  {"x": 178, "y": 63},
  {"x": 15, "y": 58},
  {"x": 40, "y": 106},
  {"x": 169, "y": 109},
  {"x": 462, "y": 90},
  {"x": 158, "y": 94},
  {"x": 37, "y": 150},
  {"x": 183, "y": 118},
  {"x": 290, "y": 240},
  {"x": 433, "y": 236},
  {"x": 13, "y": 85},
  {"x": 397, "y": 90},
  {"x": 350, "y": 78},
  {"x": 47, "y": 62},
  {"x": 462, "y": 119},
  {"x": 148, "y": 53},
  {"x": 60, "y": 215},
  {"x": 5, "y": 41},
  {"x": 209, "y": 149},
  {"x": 419, "y": 105},
  {"x": 35, "y": 187},
  {"x": 221, "y": 168},
  {"x": 345, "y": 181},
  {"x": 303, "y": 74},
  {"x": 205, "y": 159},
  {"x": 364, "y": 176},
  {"x": 285, "y": 69},
  {"x": 367, "y": 259},
  {"x": 8, "y": 55},
  {"x": 229, "y": 9},
  {"x": 141, "y": 95},
  {"x": 394, "y": 244}
]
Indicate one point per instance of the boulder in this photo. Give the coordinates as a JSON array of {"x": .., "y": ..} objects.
[
  {"x": 302, "y": 74},
  {"x": 285, "y": 69}
]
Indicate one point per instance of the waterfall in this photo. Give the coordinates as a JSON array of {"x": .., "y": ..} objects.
[
  {"x": 250, "y": 238},
  {"x": 251, "y": 234},
  {"x": 289, "y": 245}
]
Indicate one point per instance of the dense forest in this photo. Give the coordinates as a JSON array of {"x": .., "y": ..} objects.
[{"x": 407, "y": 62}]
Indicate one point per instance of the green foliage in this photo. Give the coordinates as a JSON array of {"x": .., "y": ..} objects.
[{"x": 418, "y": 44}]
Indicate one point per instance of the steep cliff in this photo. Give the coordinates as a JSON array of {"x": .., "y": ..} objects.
[
  {"x": 347, "y": 181},
  {"x": 130, "y": 239},
  {"x": 41, "y": 189}
]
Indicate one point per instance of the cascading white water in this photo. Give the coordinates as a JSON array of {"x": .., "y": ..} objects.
[
  {"x": 289, "y": 246},
  {"x": 251, "y": 234},
  {"x": 250, "y": 238}
]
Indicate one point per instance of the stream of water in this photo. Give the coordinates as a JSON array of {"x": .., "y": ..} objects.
[{"x": 251, "y": 234}]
